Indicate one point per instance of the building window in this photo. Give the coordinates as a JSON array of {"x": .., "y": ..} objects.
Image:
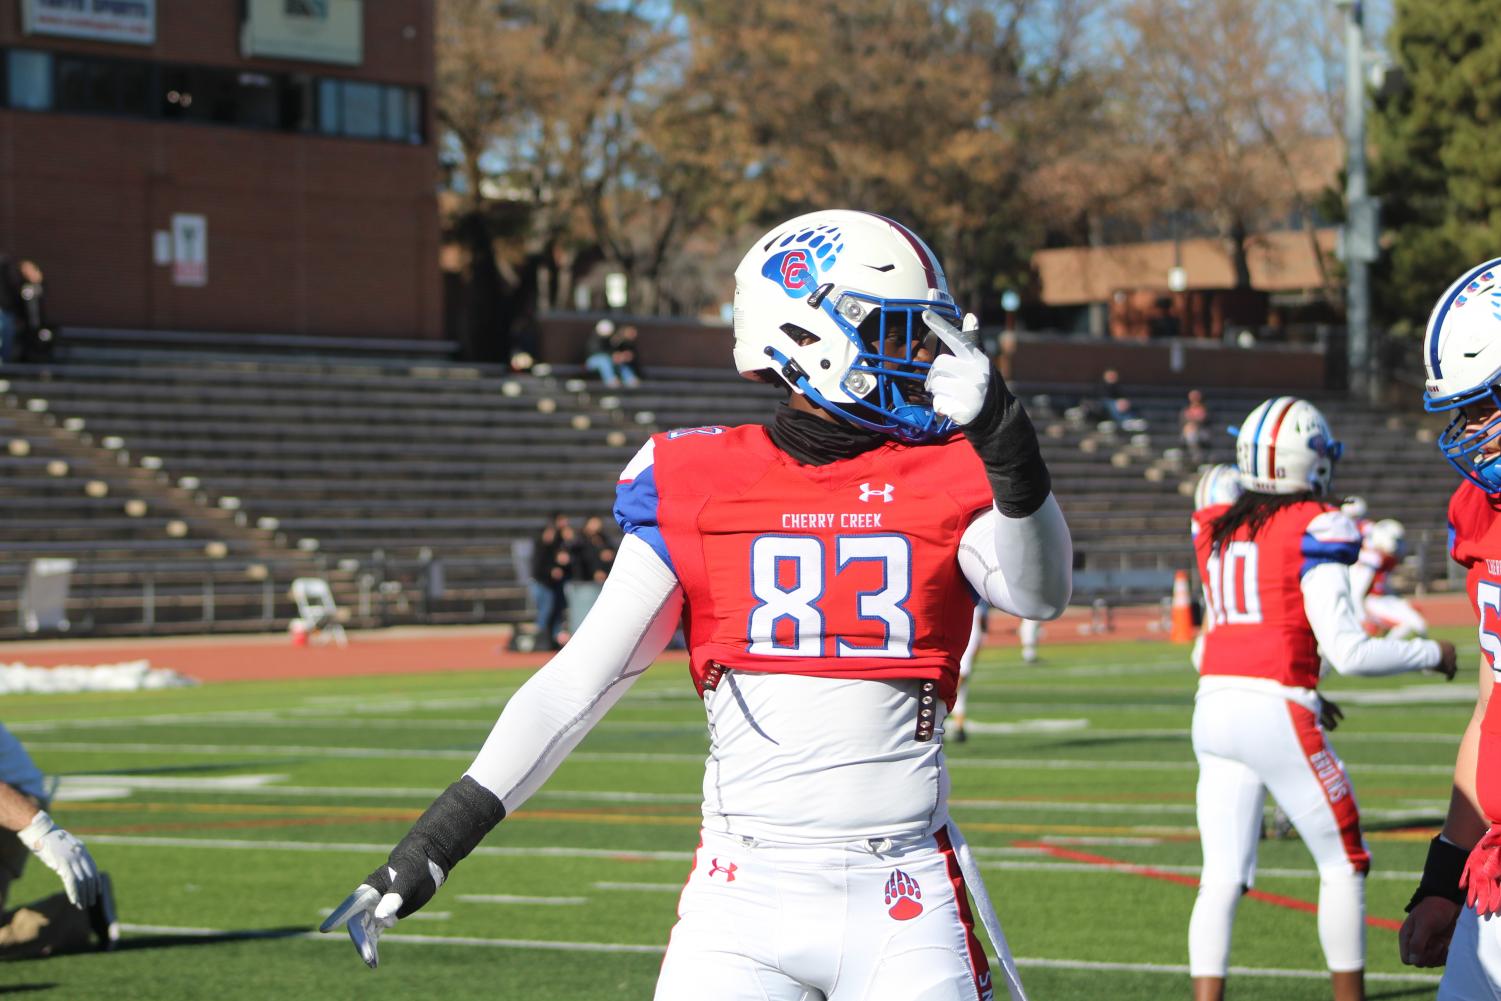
[
  {"x": 359, "y": 111},
  {"x": 369, "y": 110},
  {"x": 328, "y": 107},
  {"x": 397, "y": 126},
  {"x": 44, "y": 81},
  {"x": 103, "y": 86},
  {"x": 29, "y": 79}
]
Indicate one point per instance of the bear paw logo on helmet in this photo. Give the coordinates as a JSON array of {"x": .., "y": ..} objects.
[{"x": 796, "y": 269}]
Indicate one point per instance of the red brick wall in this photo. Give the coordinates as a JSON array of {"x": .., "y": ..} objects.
[{"x": 307, "y": 235}]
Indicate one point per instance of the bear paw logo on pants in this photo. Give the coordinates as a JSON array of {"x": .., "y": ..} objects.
[{"x": 903, "y": 896}]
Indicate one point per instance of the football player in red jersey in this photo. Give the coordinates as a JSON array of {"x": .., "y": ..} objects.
[
  {"x": 1452, "y": 916},
  {"x": 825, "y": 569},
  {"x": 1275, "y": 565}
]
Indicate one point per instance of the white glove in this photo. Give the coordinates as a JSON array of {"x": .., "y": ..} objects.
[
  {"x": 367, "y": 913},
  {"x": 958, "y": 381},
  {"x": 65, "y": 855}
]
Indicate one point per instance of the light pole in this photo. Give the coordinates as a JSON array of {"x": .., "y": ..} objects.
[{"x": 1360, "y": 234}]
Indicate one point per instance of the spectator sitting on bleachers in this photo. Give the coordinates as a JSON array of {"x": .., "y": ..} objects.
[
  {"x": 1194, "y": 422},
  {"x": 1112, "y": 403},
  {"x": 626, "y": 356},
  {"x": 611, "y": 354},
  {"x": 597, "y": 353}
]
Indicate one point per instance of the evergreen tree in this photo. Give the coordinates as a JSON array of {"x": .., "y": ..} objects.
[{"x": 1437, "y": 162}]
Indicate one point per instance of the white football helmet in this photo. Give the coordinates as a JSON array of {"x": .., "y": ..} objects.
[
  {"x": 1388, "y": 536},
  {"x": 1220, "y": 484},
  {"x": 831, "y": 303},
  {"x": 1285, "y": 447},
  {"x": 1462, "y": 353},
  {"x": 1354, "y": 508}
]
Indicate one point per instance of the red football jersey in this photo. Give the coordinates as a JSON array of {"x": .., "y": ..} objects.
[
  {"x": 1475, "y": 543},
  {"x": 846, "y": 570},
  {"x": 1254, "y": 594}
]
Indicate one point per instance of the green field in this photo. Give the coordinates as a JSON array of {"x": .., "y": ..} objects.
[{"x": 233, "y": 816}]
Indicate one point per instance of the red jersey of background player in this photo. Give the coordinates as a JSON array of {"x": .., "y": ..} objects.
[
  {"x": 844, "y": 570},
  {"x": 1475, "y": 543},
  {"x": 1253, "y": 591}
]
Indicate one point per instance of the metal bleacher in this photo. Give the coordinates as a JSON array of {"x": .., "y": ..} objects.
[{"x": 192, "y": 486}]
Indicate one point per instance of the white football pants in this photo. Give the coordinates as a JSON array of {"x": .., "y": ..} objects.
[
  {"x": 1473, "y": 972},
  {"x": 1249, "y": 743},
  {"x": 1396, "y": 615},
  {"x": 862, "y": 922}
]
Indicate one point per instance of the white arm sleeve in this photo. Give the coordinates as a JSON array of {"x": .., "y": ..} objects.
[
  {"x": 1024, "y": 566},
  {"x": 630, "y": 624},
  {"x": 1361, "y": 579},
  {"x": 1326, "y": 601}
]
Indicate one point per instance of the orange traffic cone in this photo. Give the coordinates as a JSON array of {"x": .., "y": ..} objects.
[{"x": 1183, "y": 622}]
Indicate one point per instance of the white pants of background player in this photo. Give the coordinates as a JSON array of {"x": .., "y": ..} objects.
[
  {"x": 1400, "y": 618},
  {"x": 1028, "y": 629},
  {"x": 869, "y": 921},
  {"x": 1253, "y": 736},
  {"x": 1473, "y": 972}
]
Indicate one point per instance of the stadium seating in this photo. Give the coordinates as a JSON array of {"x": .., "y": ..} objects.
[{"x": 192, "y": 487}]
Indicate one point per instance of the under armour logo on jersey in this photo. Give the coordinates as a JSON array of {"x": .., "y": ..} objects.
[
  {"x": 728, "y": 869},
  {"x": 681, "y": 432},
  {"x": 867, "y": 492},
  {"x": 903, "y": 896}
]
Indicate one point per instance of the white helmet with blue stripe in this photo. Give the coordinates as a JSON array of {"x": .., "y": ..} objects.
[
  {"x": 1462, "y": 353},
  {"x": 831, "y": 303},
  {"x": 1220, "y": 484},
  {"x": 1285, "y": 447}
]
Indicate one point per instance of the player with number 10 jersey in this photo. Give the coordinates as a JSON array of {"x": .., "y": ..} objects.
[{"x": 1275, "y": 567}]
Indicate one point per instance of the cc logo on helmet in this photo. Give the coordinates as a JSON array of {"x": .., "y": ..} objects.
[{"x": 795, "y": 269}]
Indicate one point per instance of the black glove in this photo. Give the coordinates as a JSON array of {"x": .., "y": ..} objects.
[
  {"x": 447, "y": 831},
  {"x": 1330, "y": 714}
]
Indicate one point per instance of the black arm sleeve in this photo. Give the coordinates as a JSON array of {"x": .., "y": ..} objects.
[
  {"x": 1003, "y": 436},
  {"x": 447, "y": 831}
]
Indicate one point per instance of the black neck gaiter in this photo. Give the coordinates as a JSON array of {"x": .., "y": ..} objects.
[{"x": 813, "y": 441}]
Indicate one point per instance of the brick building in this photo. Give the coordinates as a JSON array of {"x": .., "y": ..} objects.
[{"x": 224, "y": 165}]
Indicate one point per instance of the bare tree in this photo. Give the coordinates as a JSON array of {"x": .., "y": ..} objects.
[{"x": 1221, "y": 103}]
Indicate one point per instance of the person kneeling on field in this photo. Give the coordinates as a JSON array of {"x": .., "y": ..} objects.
[{"x": 80, "y": 918}]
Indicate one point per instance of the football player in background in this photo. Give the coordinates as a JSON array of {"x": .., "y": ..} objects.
[
  {"x": 1275, "y": 566},
  {"x": 1219, "y": 485},
  {"x": 83, "y": 915},
  {"x": 1452, "y": 915},
  {"x": 1027, "y": 631},
  {"x": 825, "y": 568},
  {"x": 1381, "y": 552}
]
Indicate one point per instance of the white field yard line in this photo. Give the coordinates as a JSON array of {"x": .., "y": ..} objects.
[
  {"x": 507, "y": 898},
  {"x": 295, "y": 719},
  {"x": 1096, "y": 869},
  {"x": 283, "y": 721},
  {"x": 75, "y": 787},
  {"x": 991, "y": 858},
  {"x": 298, "y": 751},
  {"x": 617, "y": 947},
  {"x": 497, "y": 851}
]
